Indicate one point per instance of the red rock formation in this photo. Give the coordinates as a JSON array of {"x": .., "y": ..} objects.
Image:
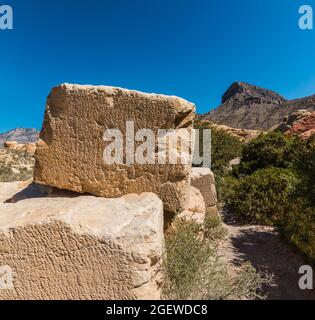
[
  {"x": 305, "y": 127},
  {"x": 301, "y": 122}
]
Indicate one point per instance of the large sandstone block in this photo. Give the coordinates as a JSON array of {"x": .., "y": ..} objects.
[
  {"x": 83, "y": 247},
  {"x": 70, "y": 153},
  {"x": 203, "y": 179}
]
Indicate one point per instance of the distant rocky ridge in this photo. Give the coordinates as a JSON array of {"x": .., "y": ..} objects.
[
  {"x": 241, "y": 134},
  {"x": 20, "y": 135},
  {"x": 250, "y": 107}
]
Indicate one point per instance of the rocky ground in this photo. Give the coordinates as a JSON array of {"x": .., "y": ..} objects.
[
  {"x": 15, "y": 165},
  {"x": 264, "y": 249}
]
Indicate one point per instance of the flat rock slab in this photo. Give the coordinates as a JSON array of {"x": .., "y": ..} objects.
[
  {"x": 83, "y": 248},
  {"x": 9, "y": 189},
  {"x": 70, "y": 153}
]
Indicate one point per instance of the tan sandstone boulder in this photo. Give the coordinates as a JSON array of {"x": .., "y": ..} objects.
[
  {"x": 195, "y": 207},
  {"x": 82, "y": 247},
  {"x": 21, "y": 147},
  {"x": 11, "y": 145},
  {"x": 70, "y": 153},
  {"x": 203, "y": 179}
]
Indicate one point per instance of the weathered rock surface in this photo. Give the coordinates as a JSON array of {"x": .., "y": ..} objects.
[
  {"x": 83, "y": 247},
  {"x": 70, "y": 153},
  {"x": 301, "y": 123},
  {"x": 203, "y": 179},
  {"x": 195, "y": 207},
  {"x": 9, "y": 189},
  {"x": 248, "y": 106}
]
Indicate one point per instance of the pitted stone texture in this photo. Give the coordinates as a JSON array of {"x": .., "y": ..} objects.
[
  {"x": 83, "y": 248},
  {"x": 70, "y": 153},
  {"x": 203, "y": 179},
  {"x": 195, "y": 207}
]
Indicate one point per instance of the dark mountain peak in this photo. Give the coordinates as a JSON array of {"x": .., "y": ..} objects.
[
  {"x": 246, "y": 106},
  {"x": 251, "y": 94}
]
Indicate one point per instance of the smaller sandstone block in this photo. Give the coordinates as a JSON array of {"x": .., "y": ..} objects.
[
  {"x": 203, "y": 179},
  {"x": 195, "y": 207}
]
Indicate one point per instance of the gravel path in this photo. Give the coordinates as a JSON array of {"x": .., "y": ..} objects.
[{"x": 264, "y": 249}]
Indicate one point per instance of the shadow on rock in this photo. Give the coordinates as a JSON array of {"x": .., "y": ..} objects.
[{"x": 38, "y": 191}]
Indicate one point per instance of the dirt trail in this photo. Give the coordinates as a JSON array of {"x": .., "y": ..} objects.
[{"x": 264, "y": 249}]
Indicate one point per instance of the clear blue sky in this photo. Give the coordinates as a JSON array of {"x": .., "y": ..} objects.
[{"x": 191, "y": 48}]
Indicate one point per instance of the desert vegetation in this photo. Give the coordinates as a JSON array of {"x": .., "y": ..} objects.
[
  {"x": 194, "y": 269},
  {"x": 15, "y": 165},
  {"x": 224, "y": 147},
  {"x": 274, "y": 185}
]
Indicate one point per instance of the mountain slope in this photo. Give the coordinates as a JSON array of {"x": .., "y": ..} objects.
[
  {"x": 248, "y": 106},
  {"x": 20, "y": 135}
]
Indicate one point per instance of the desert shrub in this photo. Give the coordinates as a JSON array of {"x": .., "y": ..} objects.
[
  {"x": 298, "y": 227},
  {"x": 224, "y": 147},
  {"x": 263, "y": 196},
  {"x": 306, "y": 169},
  {"x": 213, "y": 229},
  {"x": 226, "y": 185},
  {"x": 270, "y": 150},
  {"x": 275, "y": 185},
  {"x": 193, "y": 269}
]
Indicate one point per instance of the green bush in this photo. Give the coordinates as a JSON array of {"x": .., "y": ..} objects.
[
  {"x": 298, "y": 227},
  {"x": 275, "y": 185},
  {"x": 226, "y": 185},
  {"x": 270, "y": 150},
  {"x": 263, "y": 196},
  {"x": 224, "y": 147},
  {"x": 306, "y": 169}
]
